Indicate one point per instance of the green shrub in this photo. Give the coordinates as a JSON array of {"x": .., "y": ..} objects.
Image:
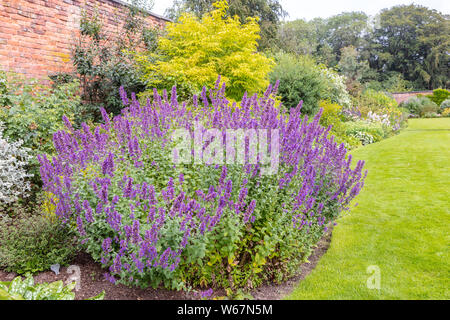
[
  {"x": 376, "y": 100},
  {"x": 4, "y": 90},
  {"x": 336, "y": 87},
  {"x": 301, "y": 78},
  {"x": 439, "y": 96},
  {"x": 444, "y": 105},
  {"x": 331, "y": 113},
  {"x": 420, "y": 105},
  {"x": 331, "y": 116},
  {"x": 446, "y": 112},
  {"x": 14, "y": 178},
  {"x": 34, "y": 112},
  {"x": 431, "y": 115},
  {"x": 26, "y": 289},
  {"x": 32, "y": 243},
  {"x": 429, "y": 108},
  {"x": 379, "y": 107},
  {"x": 151, "y": 222},
  {"x": 364, "y": 131}
]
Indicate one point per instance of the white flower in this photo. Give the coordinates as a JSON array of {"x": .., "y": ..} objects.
[
  {"x": 383, "y": 119},
  {"x": 339, "y": 88}
]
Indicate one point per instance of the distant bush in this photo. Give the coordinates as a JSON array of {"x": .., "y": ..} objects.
[
  {"x": 331, "y": 112},
  {"x": 301, "y": 78},
  {"x": 431, "y": 115},
  {"x": 446, "y": 112},
  {"x": 365, "y": 131},
  {"x": 332, "y": 116},
  {"x": 420, "y": 106},
  {"x": 444, "y": 105},
  {"x": 350, "y": 127},
  {"x": 439, "y": 96},
  {"x": 379, "y": 107},
  {"x": 373, "y": 100}
]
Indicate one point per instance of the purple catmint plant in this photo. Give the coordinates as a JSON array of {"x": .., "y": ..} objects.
[{"x": 158, "y": 221}]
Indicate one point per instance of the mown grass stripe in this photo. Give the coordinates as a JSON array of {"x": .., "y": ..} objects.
[{"x": 402, "y": 223}]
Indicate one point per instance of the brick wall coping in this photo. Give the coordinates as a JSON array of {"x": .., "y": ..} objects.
[
  {"x": 406, "y": 92},
  {"x": 123, "y": 3}
]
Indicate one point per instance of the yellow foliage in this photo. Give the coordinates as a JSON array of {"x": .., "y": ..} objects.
[
  {"x": 90, "y": 172},
  {"x": 330, "y": 114},
  {"x": 329, "y": 108},
  {"x": 195, "y": 51},
  {"x": 49, "y": 206},
  {"x": 446, "y": 112}
]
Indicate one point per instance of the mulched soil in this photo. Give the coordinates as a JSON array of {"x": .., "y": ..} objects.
[{"x": 93, "y": 281}]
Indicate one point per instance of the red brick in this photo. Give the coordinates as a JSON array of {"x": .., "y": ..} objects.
[{"x": 37, "y": 35}]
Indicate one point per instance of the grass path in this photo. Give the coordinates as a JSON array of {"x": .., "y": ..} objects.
[{"x": 402, "y": 223}]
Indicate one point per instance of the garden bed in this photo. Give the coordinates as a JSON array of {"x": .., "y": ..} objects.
[{"x": 93, "y": 282}]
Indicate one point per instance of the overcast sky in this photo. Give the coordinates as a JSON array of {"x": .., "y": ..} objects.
[{"x": 309, "y": 9}]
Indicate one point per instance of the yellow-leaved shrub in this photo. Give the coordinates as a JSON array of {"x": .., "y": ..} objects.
[{"x": 194, "y": 52}]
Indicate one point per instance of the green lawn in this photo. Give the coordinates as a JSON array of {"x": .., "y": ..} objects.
[{"x": 402, "y": 223}]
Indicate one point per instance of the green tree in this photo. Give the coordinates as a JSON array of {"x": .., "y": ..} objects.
[
  {"x": 298, "y": 37},
  {"x": 390, "y": 81},
  {"x": 351, "y": 66},
  {"x": 324, "y": 38},
  {"x": 413, "y": 41},
  {"x": 345, "y": 29},
  {"x": 269, "y": 13}
]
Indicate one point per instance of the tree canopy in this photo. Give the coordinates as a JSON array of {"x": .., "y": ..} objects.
[
  {"x": 414, "y": 41},
  {"x": 268, "y": 12},
  {"x": 409, "y": 44}
]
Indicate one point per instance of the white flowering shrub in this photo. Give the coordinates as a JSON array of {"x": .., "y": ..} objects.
[
  {"x": 364, "y": 137},
  {"x": 13, "y": 175},
  {"x": 380, "y": 118},
  {"x": 339, "y": 92},
  {"x": 391, "y": 121},
  {"x": 365, "y": 131},
  {"x": 445, "y": 105}
]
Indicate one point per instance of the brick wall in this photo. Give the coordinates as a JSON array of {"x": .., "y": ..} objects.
[
  {"x": 36, "y": 36},
  {"x": 403, "y": 96}
]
